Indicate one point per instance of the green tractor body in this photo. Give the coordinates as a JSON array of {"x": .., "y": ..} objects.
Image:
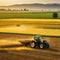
[{"x": 39, "y": 42}]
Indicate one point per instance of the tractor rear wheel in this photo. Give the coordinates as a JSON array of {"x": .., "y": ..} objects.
[
  {"x": 47, "y": 46},
  {"x": 41, "y": 46}
]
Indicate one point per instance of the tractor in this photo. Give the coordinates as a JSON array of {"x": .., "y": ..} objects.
[{"x": 39, "y": 42}]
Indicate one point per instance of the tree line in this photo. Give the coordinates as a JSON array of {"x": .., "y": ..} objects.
[{"x": 2, "y": 9}]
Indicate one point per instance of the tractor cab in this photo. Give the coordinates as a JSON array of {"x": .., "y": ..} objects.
[{"x": 38, "y": 38}]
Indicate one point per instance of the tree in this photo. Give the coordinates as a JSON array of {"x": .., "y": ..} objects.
[
  {"x": 9, "y": 9},
  {"x": 55, "y": 15},
  {"x": 21, "y": 9},
  {"x": 2, "y": 9},
  {"x": 25, "y": 9}
]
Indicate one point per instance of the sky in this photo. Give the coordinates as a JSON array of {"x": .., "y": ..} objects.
[{"x": 12, "y": 2}]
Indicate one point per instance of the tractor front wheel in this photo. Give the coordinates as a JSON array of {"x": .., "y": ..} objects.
[{"x": 32, "y": 44}]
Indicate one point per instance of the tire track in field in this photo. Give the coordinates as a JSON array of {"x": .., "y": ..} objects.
[{"x": 36, "y": 54}]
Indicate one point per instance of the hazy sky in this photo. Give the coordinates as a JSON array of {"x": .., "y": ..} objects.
[{"x": 11, "y": 2}]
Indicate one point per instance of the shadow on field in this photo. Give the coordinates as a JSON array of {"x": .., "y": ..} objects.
[
  {"x": 3, "y": 51},
  {"x": 53, "y": 50},
  {"x": 10, "y": 46},
  {"x": 50, "y": 49},
  {"x": 21, "y": 45}
]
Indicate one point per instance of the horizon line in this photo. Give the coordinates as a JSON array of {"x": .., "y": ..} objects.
[{"x": 29, "y": 3}]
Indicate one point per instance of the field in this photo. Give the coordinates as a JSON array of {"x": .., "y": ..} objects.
[
  {"x": 16, "y": 28},
  {"x": 12, "y": 49},
  {"x": 47, "y": 27},
  {"x": 30, "y": 15}
]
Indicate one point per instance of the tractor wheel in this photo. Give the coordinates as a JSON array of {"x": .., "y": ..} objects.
[
  {"x": 32, "y": 44},
  {"x": 41, "y": 46},
  {"x": 47, "y": 46}
]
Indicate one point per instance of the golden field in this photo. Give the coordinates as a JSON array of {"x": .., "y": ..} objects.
[
  {"x": 46, "y": 27},
  {"x": 24, "y": 30},
  {"x": 12, "y": 49}
]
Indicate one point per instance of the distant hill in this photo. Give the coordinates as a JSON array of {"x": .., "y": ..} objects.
[{"x": 35, "y": 6}]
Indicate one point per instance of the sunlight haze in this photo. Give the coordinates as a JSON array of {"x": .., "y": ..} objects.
[{"x": 12, "y": 2}]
